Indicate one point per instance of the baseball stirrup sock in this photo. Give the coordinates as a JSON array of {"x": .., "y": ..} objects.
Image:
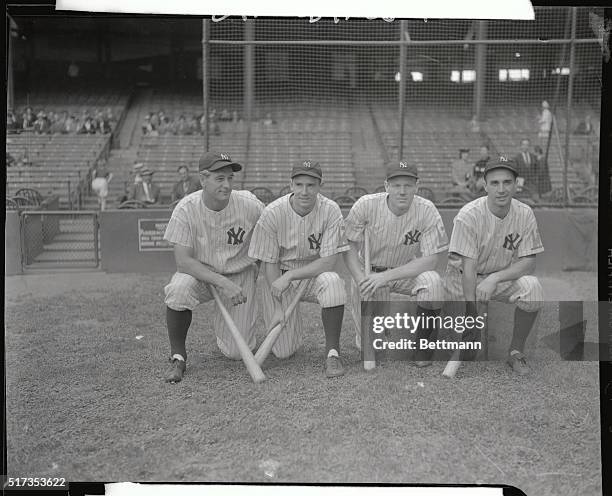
[
  {"x": 332, "y": 324},
  {"x": 178, "y": 325},
  {"x": 523, "y": 322}
]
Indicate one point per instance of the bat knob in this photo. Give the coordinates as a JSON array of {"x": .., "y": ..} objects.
[{"x": 369, "y": 365}]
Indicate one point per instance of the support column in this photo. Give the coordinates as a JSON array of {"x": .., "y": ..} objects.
[
  {"x": 402, "y": 88},
  {"x": 205, "y": 81},
  {"x": 570, "y": 91},
  {"x": 481, "y": 70}
]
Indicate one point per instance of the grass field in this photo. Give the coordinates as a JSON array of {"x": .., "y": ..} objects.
[{"x": 86, "y": 355}]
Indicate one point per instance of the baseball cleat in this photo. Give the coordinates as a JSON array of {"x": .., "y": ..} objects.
[
  {"x": 518, "y": 363},
  {"x": 176, "y": 371},
  {"x": 334, "y": 367}
]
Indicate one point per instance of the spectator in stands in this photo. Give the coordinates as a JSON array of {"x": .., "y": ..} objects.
[
  {"x": 186, "y": 184},
  {"x": 585, "y": 127},
  {"x": 526, "y": 164},
  {"x": 28, "y": 118},
  {"x": 58, "y": 122},
  {"x": 461, "y": 175},
  {"x": 12, "y": 126},
  {"x": 145, "y": 191},
  {"x": 88, "y": 126},
  {"x": 71, "y": 125},
  {"x": 41, "y": 124},
  {"x": 192, "y": 125},
  {"x": 10, "y": 160},
  {"x": 478, "y": 181},
  {"x": 542, "y": 174},
  {"x": 147, "y": 126},
  {"x": 101, "y": 178},
  {"x": 181, "y": 126},
  {"x": 545, "y": 122}
]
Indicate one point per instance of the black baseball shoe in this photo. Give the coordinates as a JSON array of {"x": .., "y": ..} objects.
[
  {"x": 176, "y": 370},
  {"x": 334, "y": 367},
  {"x": 518, "y": 363}
]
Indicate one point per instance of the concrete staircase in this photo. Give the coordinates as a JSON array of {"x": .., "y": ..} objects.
[{"x": 72, "y": 247}]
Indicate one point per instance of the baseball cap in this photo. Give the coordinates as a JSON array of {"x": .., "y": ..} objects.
[
  {"x": 402, "y": 168},
  {"x": 212, "y": 161},
  {"x": 501, "y": 163},
  {"x": 307, "y": 168},
  {"x": 145, "y": 171}
]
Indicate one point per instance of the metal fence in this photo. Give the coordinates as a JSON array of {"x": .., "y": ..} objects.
[
  {"x": 59, "y": 239},
  {"x": 430, "y": 88}
]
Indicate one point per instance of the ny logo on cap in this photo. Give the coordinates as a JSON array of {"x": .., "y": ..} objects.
[
  {"x": 307, "y": 163},
  {"x": 502, "y": 158},
  {"x": 224, "y": 156},
  {"x": 403, "y": 165}
]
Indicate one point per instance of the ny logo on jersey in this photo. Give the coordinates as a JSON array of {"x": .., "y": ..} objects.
[
  {"x": 235, "y": 238},
  {"x": 512, "y": 241},
  {"x": 412, "y": 237},
  {"x": 314, "y": 240}
]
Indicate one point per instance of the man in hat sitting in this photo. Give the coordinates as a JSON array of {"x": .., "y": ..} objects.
[{"x": 145, "y": 191}]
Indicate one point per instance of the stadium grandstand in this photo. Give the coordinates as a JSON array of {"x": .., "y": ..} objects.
[{"x": 113, "y": 92}]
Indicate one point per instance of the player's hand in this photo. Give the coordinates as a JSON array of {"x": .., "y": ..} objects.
[
  {"x": 280, "y": 285},
  {"x": 371, "y": 283},
  {"x": 234, "y": 292},
  {"x": 485, "y": 289}
]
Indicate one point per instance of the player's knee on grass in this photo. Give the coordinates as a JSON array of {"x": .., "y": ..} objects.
[
  {"x": 330, "y": 291},
  {"x": 181, "y": 292},
  {"x": 530, "y": 294},
  {"x": 229, "y": 350},
  {"x": 429, "y": 289}
]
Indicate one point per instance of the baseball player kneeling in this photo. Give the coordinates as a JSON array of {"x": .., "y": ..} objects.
[
  {"x": 492, "y": 255},
  {"x": 298, "y": 237},
  {"x": 407, "y": 239},
  {"x": 210, "y": 231}
]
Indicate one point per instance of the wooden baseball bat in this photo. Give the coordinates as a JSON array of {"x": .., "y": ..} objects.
[
  {"x": 455, "y": 360},
  {"x": 245, "y": 352},
  {"x": 266, "y": 347},
  {"x": 369, "y": 358}
]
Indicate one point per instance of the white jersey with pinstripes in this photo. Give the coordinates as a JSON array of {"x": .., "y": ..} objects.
[
  {"x": 220, "y": 239},
  {"x": 495, "y": 243},
  {"x": 396, "y": 240},
  {"x": 282, "y": 236}
]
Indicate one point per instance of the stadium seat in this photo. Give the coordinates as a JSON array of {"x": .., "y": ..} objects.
[
  {"x": 426, "y": 193},
  {"x": 264, "y": 194},
  {"x": 356, "y": 192},
  {"x": 132, "y": 204},
  {"x": 33, "y": 196},
  {"x": 11, "y": 204}
]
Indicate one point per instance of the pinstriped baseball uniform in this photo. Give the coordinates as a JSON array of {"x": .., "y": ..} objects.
[
  {"x": 495, "y": 243},
  {"x": 395, "y": 241},
  {"x": 220, "y": 241},
  {"x": 284, "y": 237}
]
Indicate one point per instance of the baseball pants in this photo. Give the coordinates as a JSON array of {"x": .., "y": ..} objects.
[
  {"x": 427, "y": 289},
  {"x": 184, "y": 292},
  {"x": 526, "y": 291},
  {"x": 327, "y": 289}
]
